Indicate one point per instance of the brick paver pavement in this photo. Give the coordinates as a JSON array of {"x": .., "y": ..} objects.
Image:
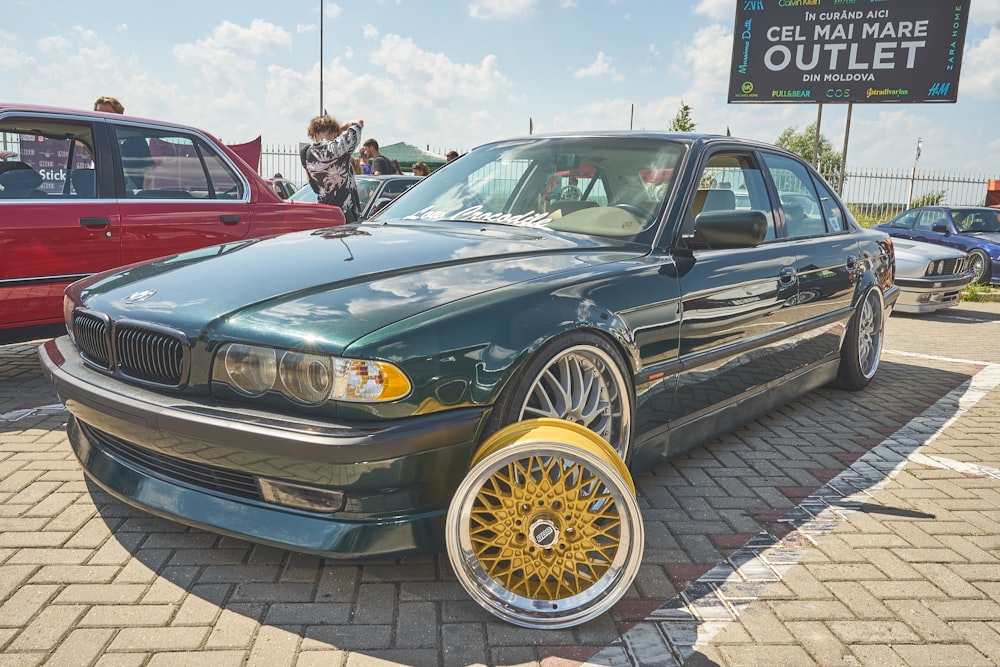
[{"x": 844, "y": 529}]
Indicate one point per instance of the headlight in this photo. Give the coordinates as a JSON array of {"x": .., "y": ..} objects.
[
  {"x": 249, "y": 369},
  {"x": 307, "y": 377}
]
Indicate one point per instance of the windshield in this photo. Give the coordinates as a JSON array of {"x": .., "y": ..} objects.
[
  {"x": 609, "y": 186},
  {"x": 971, "y": 220}
]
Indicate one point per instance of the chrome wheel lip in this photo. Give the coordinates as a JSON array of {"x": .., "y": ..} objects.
[
  {"x": 543, "y": 613},
  {"x": 870, "y": 332}
]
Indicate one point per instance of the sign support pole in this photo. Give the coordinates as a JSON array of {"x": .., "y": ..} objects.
[{"x": 843, "y": 155}]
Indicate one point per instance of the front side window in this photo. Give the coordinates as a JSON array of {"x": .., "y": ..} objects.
[
  {"x": 46, "y": 159},
  {"x": 157, "y": 165},
  {"x": 605, "y": 186},
  {"x": 931, "y": 218},
  {"x": 906, "y": 220},
  {"x": 732, "y": 181}
]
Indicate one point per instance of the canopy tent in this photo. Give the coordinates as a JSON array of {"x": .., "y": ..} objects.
[{"x": 407, "y": 154}]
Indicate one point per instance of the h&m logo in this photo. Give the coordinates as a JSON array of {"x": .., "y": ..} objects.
[
  {"x": 938, "y": 89},
  {"x": 753, "y": 5}
]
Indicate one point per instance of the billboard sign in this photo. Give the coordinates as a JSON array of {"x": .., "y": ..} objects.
[{"x": 861, "y": 51}]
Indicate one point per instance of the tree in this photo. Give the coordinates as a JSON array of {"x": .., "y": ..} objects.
[
  {"x": 802, "y": 142},
  {"x": 682, "y": 122}
]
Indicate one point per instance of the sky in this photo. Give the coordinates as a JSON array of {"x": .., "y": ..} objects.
[{"x": 452, "y": 74}]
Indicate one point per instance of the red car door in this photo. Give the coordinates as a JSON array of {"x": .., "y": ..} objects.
[
  {"x": 179, "y": 192},
  {"x": 47, "y": 245},
  {"x": 53, "y": 227}
]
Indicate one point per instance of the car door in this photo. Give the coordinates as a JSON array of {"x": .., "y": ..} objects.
[
  {"x": 827, "y": 258},
  {"x": 734, "y": 319},
  {"x": 178, "y": 192},
  {"x": 59, "y": 218}
]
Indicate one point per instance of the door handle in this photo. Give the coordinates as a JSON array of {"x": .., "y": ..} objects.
[
  {"x": 94, "y": 223},
  {"x": 229, "y": 219}
]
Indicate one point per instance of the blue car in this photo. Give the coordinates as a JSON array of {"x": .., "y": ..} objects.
[{"x": 974, "y": 229}]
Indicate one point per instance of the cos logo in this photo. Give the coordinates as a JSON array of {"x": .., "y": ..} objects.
[
  {"x": 838, "y": 93},
  {"x": 747, "y": 87}
]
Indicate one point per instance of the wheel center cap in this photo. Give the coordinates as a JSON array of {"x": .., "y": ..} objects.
[{"x": 544, "y": 533}]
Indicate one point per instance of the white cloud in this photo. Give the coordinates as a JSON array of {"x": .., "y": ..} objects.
[
  {"x": 601, "y": 67},
  {"x": 223, "y": 58},
  {"x": 980, "y": 75},
  {"x": 435, "y": 76},
  {"x": 55, "y": 43},
  {"x": 369, "y": 31},
  {"x": 262, "y": 37},
  {"x": 717, "y": 10},
  {"x": 501, "y": 9},
  {"x": 331, "y": 9}
]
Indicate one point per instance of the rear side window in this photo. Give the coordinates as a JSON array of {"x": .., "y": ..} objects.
[
  {"x": 46, "y": 159},
  {"x": 158, "y": 165},
  {"x": 799, "y": 201}
]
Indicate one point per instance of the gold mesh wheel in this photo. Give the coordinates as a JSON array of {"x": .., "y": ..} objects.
[{"x": 545, "y": 531}]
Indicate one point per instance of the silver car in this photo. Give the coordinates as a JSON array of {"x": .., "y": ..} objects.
[{"x": 930, "y": 277}]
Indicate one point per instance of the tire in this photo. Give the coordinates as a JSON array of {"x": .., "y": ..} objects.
[
  {"x": 578, "y": 378},
  {"x": 982, "y": 269},
  {"x": 862, "y": 347},
  {"x": 545, "y": 532}
]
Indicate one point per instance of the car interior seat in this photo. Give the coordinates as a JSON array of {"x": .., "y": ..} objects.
[
  {"x": 20, "y": 183},
  {"x": 84, "y": 183},
  {"x": 713, "y": 200}
]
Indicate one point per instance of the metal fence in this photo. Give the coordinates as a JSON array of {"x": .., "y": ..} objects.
[
  {"x": 884, "y": 192},
  {"x": 871, "y": 192}
]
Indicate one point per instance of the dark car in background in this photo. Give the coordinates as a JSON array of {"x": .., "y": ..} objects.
[
  {"x": 974, "y": 229},
  {"x": 477, "y": 368},
  {"x": 82, "y": 192},
  {"x": 374, "y": 192}
]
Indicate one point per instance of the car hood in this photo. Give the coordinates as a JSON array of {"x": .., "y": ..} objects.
[
  {"x": 924, "y": 252},
  {"x": 326, "y": 288}
]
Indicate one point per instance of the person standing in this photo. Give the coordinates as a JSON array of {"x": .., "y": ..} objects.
[
  {"x": 327, "y": 162},
  {"x": 379, "y": 163},
  {"x": 421, "y": 169},
  {"x": 108, "y": 105}
]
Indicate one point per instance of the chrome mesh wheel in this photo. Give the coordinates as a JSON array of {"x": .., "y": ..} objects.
[
  {"x": 583, "y": 385},
  {"x": 545, "y": 531}
]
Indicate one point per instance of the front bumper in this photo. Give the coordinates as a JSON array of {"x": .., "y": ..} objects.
[
  {"x": 202, "y": 464},
  {"x": 925, "y": 295}
]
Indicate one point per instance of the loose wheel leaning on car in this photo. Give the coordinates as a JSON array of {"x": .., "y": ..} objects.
[{"x": 545, "y": 530}]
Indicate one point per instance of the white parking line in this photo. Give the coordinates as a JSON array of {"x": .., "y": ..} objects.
[
  {"x": 16, "y": 415},
  {"x": 698, "y": 613}
]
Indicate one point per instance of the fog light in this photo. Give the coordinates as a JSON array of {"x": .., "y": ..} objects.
[{"x": 301, "y": 497}]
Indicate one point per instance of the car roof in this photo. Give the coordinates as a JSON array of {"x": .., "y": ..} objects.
[{"x": 86, "y": 113}]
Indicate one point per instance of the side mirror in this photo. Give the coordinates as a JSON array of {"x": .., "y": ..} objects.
[
  {"x": 731, "y": 229},
  {"x": 940, "y": 229}
]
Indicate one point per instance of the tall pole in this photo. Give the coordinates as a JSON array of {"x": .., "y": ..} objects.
[
  {"x": 320, "y": 57},
  {"x": 819, "y": 121},
  {"x": 843, "y": 155},
  {"x": 913, "y": 173}
]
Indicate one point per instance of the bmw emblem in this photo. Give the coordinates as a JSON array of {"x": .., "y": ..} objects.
[{"x": 142, "y": 295}]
